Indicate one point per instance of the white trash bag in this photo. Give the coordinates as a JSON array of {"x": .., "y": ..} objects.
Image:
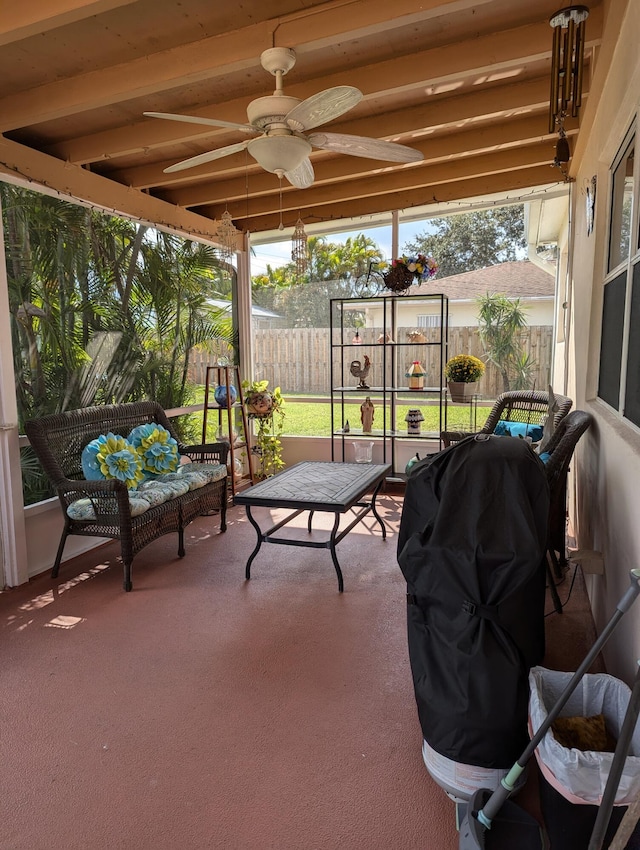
[{"x": 581, "y": 776}]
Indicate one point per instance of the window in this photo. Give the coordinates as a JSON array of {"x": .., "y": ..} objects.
[
  {"x": 619, "y": 373},
  {"x": 622, "y": 195},
  {"x": 426, "y": 321}
]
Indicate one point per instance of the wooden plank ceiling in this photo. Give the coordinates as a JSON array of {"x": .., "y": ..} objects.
[{"x": 466, "y": 82}]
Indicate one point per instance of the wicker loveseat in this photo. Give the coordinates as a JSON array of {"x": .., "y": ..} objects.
[{"x": 59, "y": 441}]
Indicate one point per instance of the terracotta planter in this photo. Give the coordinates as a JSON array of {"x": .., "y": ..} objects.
[{"x": 460, "y": 391}]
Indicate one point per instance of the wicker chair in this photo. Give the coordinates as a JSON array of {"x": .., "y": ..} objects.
[
  {"x": 569, "y": 427},
  {"x": 528, "y": 406},
  {"x": 58, "y": 441},
  {"x": 560, "y": 450}
]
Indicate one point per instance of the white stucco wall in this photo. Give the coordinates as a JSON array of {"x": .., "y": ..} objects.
[
  {"x": 43, "y": 527},
  {"x": 607, "y": 465},
  {"x": 462, "y": 313}
]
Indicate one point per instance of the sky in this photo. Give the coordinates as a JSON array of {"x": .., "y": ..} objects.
[{"x": 278, "y": 254}]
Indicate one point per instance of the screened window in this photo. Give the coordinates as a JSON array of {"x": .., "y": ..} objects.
[
  {"x": 619, "y": 374},
  {"x": 621, "y": 207}
]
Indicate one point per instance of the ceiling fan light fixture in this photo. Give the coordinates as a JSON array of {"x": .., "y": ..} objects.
[{"x": 279, "y": 154}]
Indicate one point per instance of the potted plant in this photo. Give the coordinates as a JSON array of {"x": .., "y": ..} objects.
[
  {"x": 463, "y": 373},
  {"x": 266, "y": 408}
]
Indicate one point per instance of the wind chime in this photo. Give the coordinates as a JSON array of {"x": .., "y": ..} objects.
[
  {"x": 567, "y": 67},
  {"x": 299, "y": 250},
  {"x": 227, "y": 233}
]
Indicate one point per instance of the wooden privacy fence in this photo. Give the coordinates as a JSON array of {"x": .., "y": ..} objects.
[{"x": 298, "y": 359}]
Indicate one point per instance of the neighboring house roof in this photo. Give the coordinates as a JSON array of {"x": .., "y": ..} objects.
[
  {"x": 520, "y": 279},
  {"x": 256, "y": 312}
]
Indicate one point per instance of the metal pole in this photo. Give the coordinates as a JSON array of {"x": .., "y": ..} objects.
[{"x": 617, "y": 766}]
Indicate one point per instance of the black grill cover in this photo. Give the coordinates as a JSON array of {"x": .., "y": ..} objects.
[{"x": 471, "y": 547}]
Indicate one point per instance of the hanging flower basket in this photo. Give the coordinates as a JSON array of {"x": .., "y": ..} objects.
[
  {"x": 407, "y": 270},
  {"x": 398, "y": 278}
]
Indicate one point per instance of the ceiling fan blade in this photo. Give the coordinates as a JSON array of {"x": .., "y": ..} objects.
[
  {"x": 206, "y": 157},
  {"x": 322, "y": 107},
  {"x": 208, "y": 122},
  {"x": 302, "y": 176},
  {"x": 364, "y": 147}
]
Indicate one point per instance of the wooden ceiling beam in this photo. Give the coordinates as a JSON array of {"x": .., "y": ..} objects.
[
  {"x": 22, "y": 20},
  {"x": 472, "y": 142},
  {"x": 532, "y": 94},
  {"x": 150, "y": 134},
  {"x": 469, "y": 109},
  {"x": 474, "y": 187},
  {"x": 208, "y": 57},
  {"x": 71, "y": 181},
  {"x": 419, "y": 180}
]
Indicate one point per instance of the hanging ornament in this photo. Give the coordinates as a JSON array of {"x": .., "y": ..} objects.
[
  {"x": 227, "y": 236},
  {"x": 299, "y": 253}
]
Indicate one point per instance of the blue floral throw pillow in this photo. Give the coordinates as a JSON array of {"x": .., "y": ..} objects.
[
  {"x": 156, "y": 447},
  {"x": 111, "y": 456}
]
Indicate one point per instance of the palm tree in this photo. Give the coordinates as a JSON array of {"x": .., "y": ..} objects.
[
  {"x": 102, "y": 309},
  {"x": 500, "y": 320},
  {"x": 336, "y": 270}
]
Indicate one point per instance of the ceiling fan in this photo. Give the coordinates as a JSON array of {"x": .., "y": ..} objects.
[{"x": 280, "y": 124}]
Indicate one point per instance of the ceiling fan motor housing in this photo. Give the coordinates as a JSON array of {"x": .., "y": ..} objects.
[{"x": 272, "y": 109}]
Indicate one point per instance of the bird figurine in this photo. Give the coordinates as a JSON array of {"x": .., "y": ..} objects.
[{"x": 359, "y": 371}]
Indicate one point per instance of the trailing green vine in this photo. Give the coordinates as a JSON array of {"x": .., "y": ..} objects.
[{"x": 266, "y": 408}]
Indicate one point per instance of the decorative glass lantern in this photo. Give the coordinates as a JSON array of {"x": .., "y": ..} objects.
[{"x": 413, "y": 419}]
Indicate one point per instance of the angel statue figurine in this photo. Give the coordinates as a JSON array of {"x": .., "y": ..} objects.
[{"x": 366, "y": 415}]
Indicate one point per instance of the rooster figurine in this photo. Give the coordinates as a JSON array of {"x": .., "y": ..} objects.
[{"x": 359, "y": 371}]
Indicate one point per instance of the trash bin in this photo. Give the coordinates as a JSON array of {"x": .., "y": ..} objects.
[
  {"x": 572, "y": 781},
  {"x": 460, "y": 781}
]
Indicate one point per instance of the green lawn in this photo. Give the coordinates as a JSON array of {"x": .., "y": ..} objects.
[{"x": 313, "y": 419}]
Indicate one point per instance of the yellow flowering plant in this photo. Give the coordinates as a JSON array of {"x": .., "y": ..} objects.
[{"x": 464, "y": 368}]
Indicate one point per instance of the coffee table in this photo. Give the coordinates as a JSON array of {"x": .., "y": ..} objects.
[{"x": 316, "y": 486}]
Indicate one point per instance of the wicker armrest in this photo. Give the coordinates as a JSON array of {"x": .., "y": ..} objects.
[
  {"x": 451, "y": 437},
  {"x": 206, "y": 452},
  {"x": 109, "y": 498}
]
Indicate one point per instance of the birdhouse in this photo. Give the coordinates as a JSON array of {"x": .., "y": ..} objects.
[
  {"x": 415, "y": 374},
  {"x": 413, "y": 419}
]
